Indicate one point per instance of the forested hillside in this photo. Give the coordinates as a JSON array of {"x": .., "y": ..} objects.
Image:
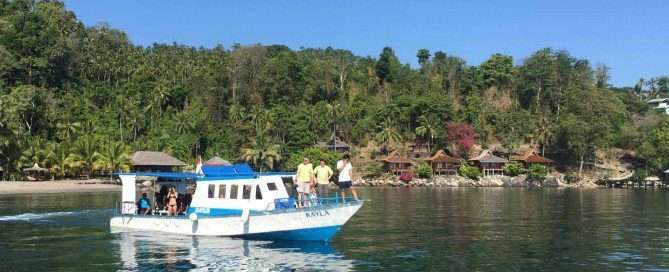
[{"x": 76, "y": 98}]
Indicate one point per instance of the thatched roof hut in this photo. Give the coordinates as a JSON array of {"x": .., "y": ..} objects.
[
  {"x": 217, "y": 161},
  {"x": 442, "y": 163},
  {"x": 35, "y": 168},
  {"x": 530, "y": 157},
  {"x": 335, "y": 144},
  {"x": 488, "y": 163},
  {"x": 152, "y": 161},
  {"x": 397, "y": 164}
]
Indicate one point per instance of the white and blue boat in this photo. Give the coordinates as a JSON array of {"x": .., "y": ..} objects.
[{"x": 237, "y": 202}]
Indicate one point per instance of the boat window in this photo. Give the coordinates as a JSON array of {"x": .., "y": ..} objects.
[
  {"x": 212, "y": 188},
  {"x": 258, "y": 193},
  {"x": 271, "y": 186},
  {"x": 247, "y": 192},
  {"x": 233, "y": 191},
  {"x": 221, "y": 191}
]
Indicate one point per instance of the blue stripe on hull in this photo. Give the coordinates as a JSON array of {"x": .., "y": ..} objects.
[
  {"x": 310, "y": 234},
  {"x": 214, "y": 211}
]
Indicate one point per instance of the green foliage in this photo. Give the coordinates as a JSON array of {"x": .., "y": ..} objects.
[
  {"x": 514, "y": 168},
  {"x": 315, "y": 155},
  {"x": 78, "y": 89},
  {"x": 423, "y": 170},
  {"x": 468, "y": 171},
  {"x": 537, "y": 172},
  {"x": 655, "y": 148},
  {"x": 373, "y": 170},
  {"x": 639, "y": 175}
]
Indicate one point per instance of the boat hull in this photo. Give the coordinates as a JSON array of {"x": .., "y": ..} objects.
[{"x": 313, "y": 224}]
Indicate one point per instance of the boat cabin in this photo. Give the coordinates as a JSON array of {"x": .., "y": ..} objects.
[{"x": 222, "y": 190}]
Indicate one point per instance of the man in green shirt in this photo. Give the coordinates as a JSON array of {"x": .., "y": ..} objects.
[
  {"x": 305, "y": 180},
  {"x": 323, "y": 174}
]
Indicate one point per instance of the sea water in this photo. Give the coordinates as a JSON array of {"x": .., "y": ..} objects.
[{"x": 400, "y": 229}]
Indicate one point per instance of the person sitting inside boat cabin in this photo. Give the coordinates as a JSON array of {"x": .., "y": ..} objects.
[
  {"x": 171, "y": 200},
  {"x": 305, "y": 180},
  {"x": 345, "y": 177},
  {"x": 144, "y": 205},
  {"x": 323, "y": 173}
]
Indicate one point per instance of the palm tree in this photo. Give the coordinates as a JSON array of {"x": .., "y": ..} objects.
[
  {"x": 68, "y": 129},
  {"x": 426, "y": 128},
  {"x": 261, "y": 118},
  {"x": 113, "y": 157},
  {"x": 543, "y": 133},
  {"x": 261, "y": 151},
  {"x": 388, "y": 134},
  {"x": 83, "y": 153},
  {"x": 60, "y": 160},
  {"x": 34, "y": 151},
  {"x": 9, "y": 150}
]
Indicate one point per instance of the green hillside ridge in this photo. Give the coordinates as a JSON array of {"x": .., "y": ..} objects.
[{"x": 78, "y": 99}]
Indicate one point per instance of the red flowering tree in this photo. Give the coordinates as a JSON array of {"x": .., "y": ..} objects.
[{"x": 460, "y": 136}]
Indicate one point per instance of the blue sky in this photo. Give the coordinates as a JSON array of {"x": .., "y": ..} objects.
[{"x": 631, "y": 37}]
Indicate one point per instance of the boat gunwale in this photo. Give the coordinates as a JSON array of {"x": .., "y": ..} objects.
[{"x": 359, "y": 202}]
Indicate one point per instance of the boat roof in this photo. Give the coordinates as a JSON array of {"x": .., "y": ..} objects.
[{"x": 212, "y": 172}]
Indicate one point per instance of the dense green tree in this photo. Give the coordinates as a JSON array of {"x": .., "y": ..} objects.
[{"x": 71, "y": 85}]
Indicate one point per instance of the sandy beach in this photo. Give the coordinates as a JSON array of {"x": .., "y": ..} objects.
[{"x": 58, "y": 186}]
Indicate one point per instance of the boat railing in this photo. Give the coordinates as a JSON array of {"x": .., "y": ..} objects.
[
  {"x": 125, "y": 207},
  {"x": 291, "y": 203}
]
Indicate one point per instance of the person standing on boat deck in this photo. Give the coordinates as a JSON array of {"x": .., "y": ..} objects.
[
  {"x": 323, "y": 174},
  {"x": 144, "y": 206},
  {"x": 345, "y": 177},
  {"x": 172, "y": 202},
  {"x": 198, "y": 166},
  {"x": 305, "y": 179}
]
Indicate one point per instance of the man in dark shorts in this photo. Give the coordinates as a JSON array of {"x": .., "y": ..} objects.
[{"x": 345, "y": 177}]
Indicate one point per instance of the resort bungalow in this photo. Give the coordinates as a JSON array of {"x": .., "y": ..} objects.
[
  {"x": 151, "y": 161},
  {"x": 443, "y": 164},
  {"x": 530, "y": 158},
  {"x": 397, "y": 164},
  {"x": 488, "y": 163},
  {"x": 335, "y": 144},
  {"x": 659, "y": 104},
  {"x": 419, "y": 149},
  {"x": 217, "y": 161}
]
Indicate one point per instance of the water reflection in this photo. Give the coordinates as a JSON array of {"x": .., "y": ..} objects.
[{"x": 151, "y": 251}]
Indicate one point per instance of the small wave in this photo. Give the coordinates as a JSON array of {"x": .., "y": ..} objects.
[{"x": 34, "y": 216}]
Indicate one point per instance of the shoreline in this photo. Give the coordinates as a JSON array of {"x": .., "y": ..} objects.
[
  {"x": 487, "y": 181},
  {"x": 98, "y": 185},
  {"x": 57, "y": 186}
]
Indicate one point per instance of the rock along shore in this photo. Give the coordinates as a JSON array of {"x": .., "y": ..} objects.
[{"x": 488, "y": 181}]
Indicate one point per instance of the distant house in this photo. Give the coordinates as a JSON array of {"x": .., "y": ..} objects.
[
  {"x": 659, "y": 104},
  {"x": 419, "y": 149},
  {"x": 152, "y": 161},
  {"x": 397, "y": 164},
  {"x": 443, "y": 164},
  {"x": 217, "y": 161},
  {"x": 530, "y": 157},
  {"x": 488, "y": 163},
  {"x": 335, "y": 145}
]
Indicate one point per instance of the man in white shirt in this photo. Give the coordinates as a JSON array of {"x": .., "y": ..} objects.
[{"x": 345, "y": 177}]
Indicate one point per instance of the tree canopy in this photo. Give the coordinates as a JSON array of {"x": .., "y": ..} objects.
[{"x": 79, "y": 99}]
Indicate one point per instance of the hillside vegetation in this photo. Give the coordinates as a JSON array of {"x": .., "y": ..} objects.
[{"x": 77, "y": 99}]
